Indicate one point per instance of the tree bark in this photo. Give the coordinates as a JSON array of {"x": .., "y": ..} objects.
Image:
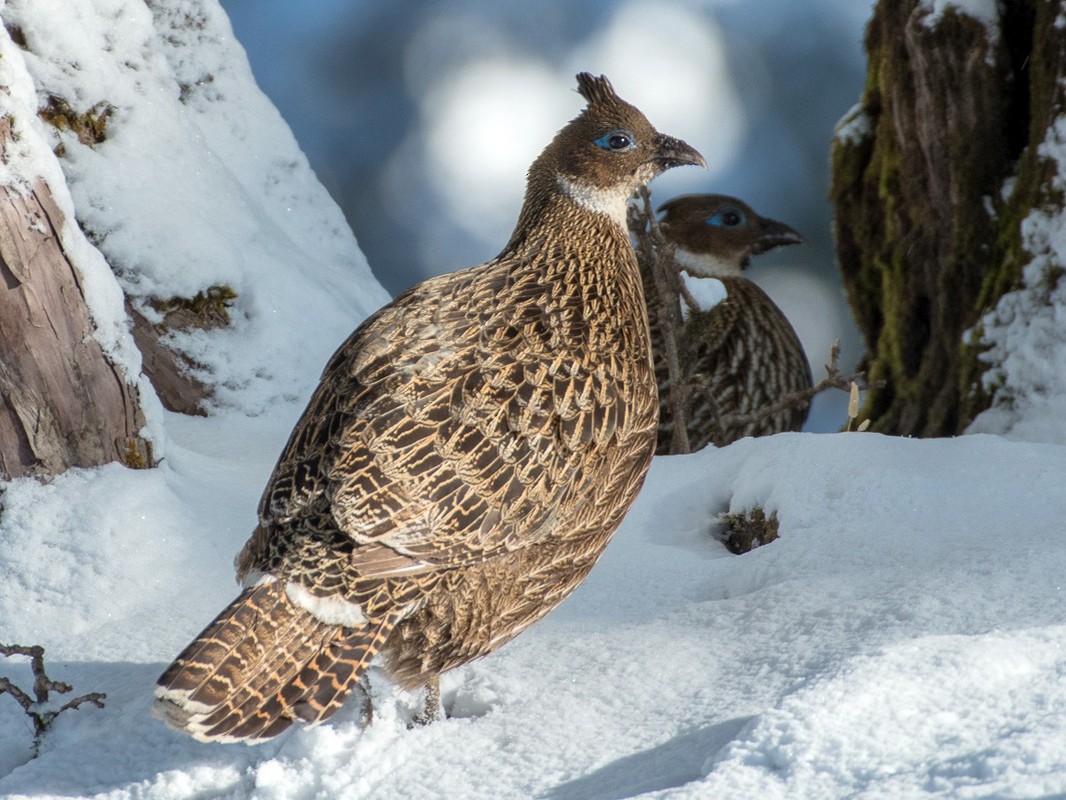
[
  {"x": 63, "y": 403},
  {"x": 932, "y": 177},
  {"x": 169, "y": 371}
]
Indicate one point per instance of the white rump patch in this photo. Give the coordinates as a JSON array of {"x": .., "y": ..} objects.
[
  {"x": 257, "y": 578},
  {"x": 331, "y": 610},
  {"x": 601, "y": 201},
  {"x": 176, "y": 707}
]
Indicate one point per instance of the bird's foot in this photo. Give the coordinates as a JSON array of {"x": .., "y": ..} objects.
[
  {"x": 368, "y": 701},
  {"x": 432, "y": 711}
]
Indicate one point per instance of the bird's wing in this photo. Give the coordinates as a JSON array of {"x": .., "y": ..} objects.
[
  {"x": 707, "y": 334},
  {"x": 749, "y": 356},
  {"x": 432, "y": 441}
]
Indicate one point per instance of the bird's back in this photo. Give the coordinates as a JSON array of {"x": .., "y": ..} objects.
[{"x": 741, "y": 356}]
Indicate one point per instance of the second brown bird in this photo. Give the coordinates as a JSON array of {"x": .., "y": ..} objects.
[{"x": 740, "y": 355}]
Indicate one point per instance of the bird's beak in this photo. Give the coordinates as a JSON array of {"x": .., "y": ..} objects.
[
  {"x": 774, "y": 234},
  {"x": 671, "y": 152}
]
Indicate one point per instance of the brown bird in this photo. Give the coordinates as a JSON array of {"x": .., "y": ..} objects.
[
  {"x": 741, "y": 354},
  {"x": 468, "y": 454}
]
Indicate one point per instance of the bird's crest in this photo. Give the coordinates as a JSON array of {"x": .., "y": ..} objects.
[{"x": 596, "y": 90}]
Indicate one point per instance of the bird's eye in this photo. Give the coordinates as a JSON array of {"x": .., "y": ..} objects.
[
  {"x": 616, "y": 141},
  {"x": 727, "y": 217}
]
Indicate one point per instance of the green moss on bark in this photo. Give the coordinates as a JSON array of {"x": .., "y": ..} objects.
[
  {"x": 1038, "y": 49},
  {"x": 207, "y": 309},
  {"x": 927, "y": 242}
]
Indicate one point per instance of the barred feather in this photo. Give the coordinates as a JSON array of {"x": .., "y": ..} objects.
[{"x": 231, "y": 682}]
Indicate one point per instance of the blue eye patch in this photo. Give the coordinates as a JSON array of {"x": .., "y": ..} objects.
[
  {"x": 728, "y": 217},
  {"x": 617, "y": 141}
]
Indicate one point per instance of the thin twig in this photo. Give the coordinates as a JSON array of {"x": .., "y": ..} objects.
[
  {"x": 686, "y": 295},
  {"x": 657, "y": 253},
  {"x": 23, "y": 699},
  {"x": 42, "y": 685},
  {"x": 833, "y": 380}
]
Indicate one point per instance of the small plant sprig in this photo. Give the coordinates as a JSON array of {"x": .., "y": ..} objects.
[
  {"x": 42, "y": 685},
  {"x": 746, "y": 530},
  {"x": 89, "y": 126},
  {"x": 853, "y": 409}
]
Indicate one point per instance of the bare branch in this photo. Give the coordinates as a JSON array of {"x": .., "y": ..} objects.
[
  {"x": 23, "y": 699},
  {"x": 686, "y": 295},
  {"x": 833, "y": 380},
  {"x": 42, "y": 685},
  {"x": 96, "y": 698},
  {"x": 656, "y": 253}
]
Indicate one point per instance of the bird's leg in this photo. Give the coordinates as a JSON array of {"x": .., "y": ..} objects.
[
  {"x": 368, "y": 700},
  {"x": 431, "y": 707}
]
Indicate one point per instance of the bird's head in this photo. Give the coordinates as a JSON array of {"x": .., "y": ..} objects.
[
  {"x": 608, "y": 151},
  {"x": 717, "y": 235}
]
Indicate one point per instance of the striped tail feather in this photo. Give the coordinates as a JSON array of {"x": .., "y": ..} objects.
[
  {"x": 322, "y": 686},
  {"x": 262, "y": 663}
]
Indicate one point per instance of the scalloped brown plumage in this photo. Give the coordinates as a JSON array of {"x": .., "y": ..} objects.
[{"x": 464, "y": 461}]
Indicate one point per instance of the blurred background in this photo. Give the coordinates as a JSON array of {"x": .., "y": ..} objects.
[{"x": 420, "y": 117}]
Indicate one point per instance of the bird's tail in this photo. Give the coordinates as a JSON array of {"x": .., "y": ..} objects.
[{"x": 264, "y": 662}]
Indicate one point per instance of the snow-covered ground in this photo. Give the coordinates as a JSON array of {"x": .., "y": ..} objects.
[{"x": 905, "y": 637}]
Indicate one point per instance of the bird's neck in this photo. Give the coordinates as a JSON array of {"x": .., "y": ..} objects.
[
  {"x": 707, "y": 265},
  {"x": 610, "y": 204},
  {"x": 566, "y": 216},
  {"x": 579, "y": 259}
]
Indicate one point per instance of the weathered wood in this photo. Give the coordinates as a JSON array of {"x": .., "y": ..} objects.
[
  {"x": 63, "y": 403},
  {"x": 169, "y": 371}
]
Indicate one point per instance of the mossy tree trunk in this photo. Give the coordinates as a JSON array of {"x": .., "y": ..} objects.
[
  {"x": 932, "y": 175},
  {"x": 63, "y": 403}
]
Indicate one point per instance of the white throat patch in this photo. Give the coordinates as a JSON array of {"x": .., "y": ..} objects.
[
  {"x": 600, "y": 201},
  {"x": 703, "y": 265}
]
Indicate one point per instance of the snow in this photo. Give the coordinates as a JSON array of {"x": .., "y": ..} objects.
[
  {"x": 986, "y": 11},
  {"x": 854, "y": 127},
  {"x": 1025, "y": 334},
  {"x": 903, "y": 637},
  {"x": 199, "y": 182}
]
